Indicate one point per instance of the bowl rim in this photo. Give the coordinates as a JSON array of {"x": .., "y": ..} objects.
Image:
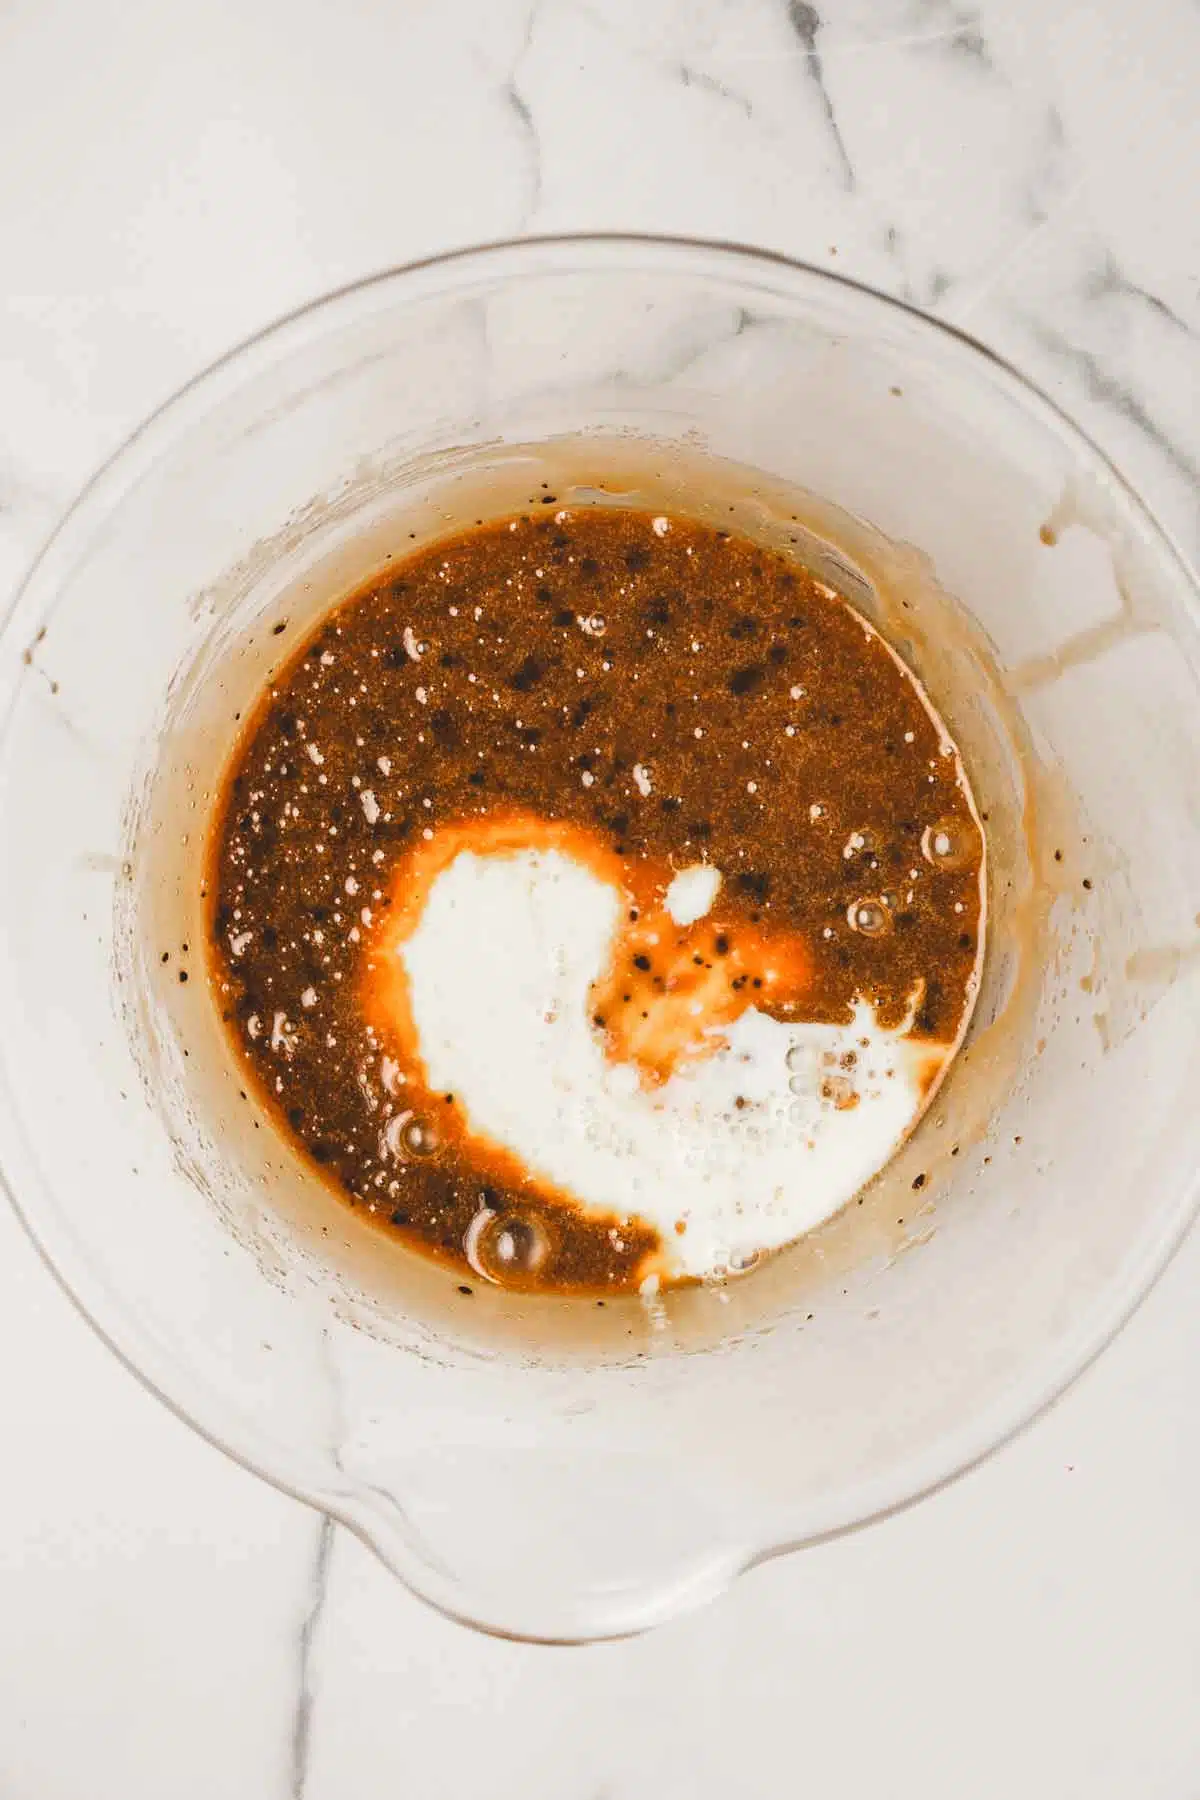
[{"x": 31, "y": 602}]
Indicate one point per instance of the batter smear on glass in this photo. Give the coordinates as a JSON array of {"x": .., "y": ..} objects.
[{"x": 597, "y": 900}]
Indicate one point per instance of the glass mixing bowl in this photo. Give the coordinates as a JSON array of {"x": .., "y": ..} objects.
[{"x": 529, "y": 1470}]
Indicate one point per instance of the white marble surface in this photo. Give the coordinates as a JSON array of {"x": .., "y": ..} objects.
[{"x": 172, "y": 176}]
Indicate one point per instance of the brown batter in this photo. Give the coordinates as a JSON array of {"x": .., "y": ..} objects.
[{"x": 645, "y": 694}]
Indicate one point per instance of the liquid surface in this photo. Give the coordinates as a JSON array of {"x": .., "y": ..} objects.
[{"x": 596, "y": 900}]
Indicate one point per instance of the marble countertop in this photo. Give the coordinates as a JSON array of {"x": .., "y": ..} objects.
[{"x": 174, "y": 177}]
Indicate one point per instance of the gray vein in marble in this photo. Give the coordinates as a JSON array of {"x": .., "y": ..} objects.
[
  {"x": 1102, "y": 385},
  {"x": 934, "y": 290},
  {"x": 301, "y": 1743},
  {"x": 1044, "y": 184},
  {"x": 696, "y": 78},
  {"x": 1110, "y": 279},
  {"x": 970, "y": 43},
  {"x": 318, "y": 1589},
  {"x": 805, "y": 21},
  {"x": 893, "y": 245},
  {"x": 959, "y": 36},
  {"x": 958, "y": 31},
  {"x": 685, "y": 70},
  {"x": 520, "y": 107}
]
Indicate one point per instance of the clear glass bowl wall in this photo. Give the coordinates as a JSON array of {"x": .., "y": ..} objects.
[{"x": 567, "y": 1494}]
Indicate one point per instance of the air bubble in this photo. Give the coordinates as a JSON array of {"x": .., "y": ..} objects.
[
  {"x": 509, "y": 1246},
  {"x": 729, "y": 1264},
  {"x": 947, "y": 845},
  {"x": 419, "y": 1140},
  {"x": 411, "y": 1137},
  {"x": 840, "y": 1092},
  {"x": 804, "y": 1064},
  {"x": 869, "y": 917}
]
